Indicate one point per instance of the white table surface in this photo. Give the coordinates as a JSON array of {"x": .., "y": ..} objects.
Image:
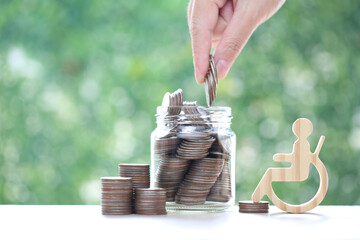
[{"x": 86, "y": 222}]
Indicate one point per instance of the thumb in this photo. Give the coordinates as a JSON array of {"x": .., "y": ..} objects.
[{"x": 235, "y": 36}]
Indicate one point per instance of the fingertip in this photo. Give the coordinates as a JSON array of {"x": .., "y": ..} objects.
[
  {"x": 199, "y": 79},
  {"x": 201, "y": 67}
]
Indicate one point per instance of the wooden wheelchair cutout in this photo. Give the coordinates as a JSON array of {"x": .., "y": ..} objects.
[{"x": 301, "y": 158}]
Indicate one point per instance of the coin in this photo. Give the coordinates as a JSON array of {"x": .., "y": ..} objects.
[
  {"x": 211, "y": 81},
  {"x": 253, "y": 207}
]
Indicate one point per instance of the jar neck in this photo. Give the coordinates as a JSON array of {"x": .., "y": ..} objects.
[{"x": 204, "y": 116}]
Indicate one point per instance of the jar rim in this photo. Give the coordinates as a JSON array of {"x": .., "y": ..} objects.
[{"x": 225, "y": 111}]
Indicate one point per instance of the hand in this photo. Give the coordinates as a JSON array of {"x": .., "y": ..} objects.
[
  {"x": 281, "y": 157},
  {"x": 226, "y": 25}
]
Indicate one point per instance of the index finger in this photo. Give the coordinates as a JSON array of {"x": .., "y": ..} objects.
[{"x": 204, "y": 15}]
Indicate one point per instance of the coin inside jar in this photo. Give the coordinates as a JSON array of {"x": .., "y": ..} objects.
[{"x": 192, "y": 152}]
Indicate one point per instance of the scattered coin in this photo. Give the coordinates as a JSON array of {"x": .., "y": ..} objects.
[
  {"x": 253, "y": 207},
  {"x": 150, "y": 201},
  {"x": 116, "y": 196},
  {"x": 211, "y": 82}
]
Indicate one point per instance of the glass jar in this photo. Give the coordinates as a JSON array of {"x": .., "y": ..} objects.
[{"x": 193, "y": 157}]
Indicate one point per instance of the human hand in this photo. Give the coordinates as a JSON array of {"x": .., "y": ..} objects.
[{"x": 226, "y": 25}]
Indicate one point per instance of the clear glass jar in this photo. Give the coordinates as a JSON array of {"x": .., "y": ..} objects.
[{"x": 193, "y": 157}]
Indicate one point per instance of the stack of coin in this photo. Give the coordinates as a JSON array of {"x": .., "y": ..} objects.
[
  {"x": 173, "y": 102},
  {"x": 224, "y": 142},
  {"x": 194, "y": 148},
  {"x": 169, "y": 175},
  {"x": 116, "y": 195},
  {"x": 150, "y": 201},
  {"x": 253, "y": 207},
  {"x": 221, "y": 191},
  {"x": 198, "y": 181},
  {"x": 139, "y": 173},
  {"x": 192, "y": 113},
  {"x": 166, "y": 145},
  {"x": 211, "y": 82}
]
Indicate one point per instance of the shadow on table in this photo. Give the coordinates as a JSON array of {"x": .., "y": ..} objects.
[{"x": 308, "y": 216}]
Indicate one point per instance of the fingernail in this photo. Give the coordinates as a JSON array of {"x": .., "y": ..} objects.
[
  {"x": 223, "y": 68},
  {"x": 199, "y": 79}
]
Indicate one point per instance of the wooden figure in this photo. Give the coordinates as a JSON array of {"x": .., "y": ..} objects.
[{"x": 301, "y": 158}]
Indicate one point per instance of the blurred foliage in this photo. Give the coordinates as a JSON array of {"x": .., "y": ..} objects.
[{"x": 80, "y": 81}]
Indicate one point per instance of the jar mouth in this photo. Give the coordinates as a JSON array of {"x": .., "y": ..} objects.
[
  {"x": 221, "y": 111},
  {"x": 194, "y": 115}
]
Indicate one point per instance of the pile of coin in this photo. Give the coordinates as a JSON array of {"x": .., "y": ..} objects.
[
  {"x": 116, "y": 195},
  {"x": 211, "y": 82},
  {"x": 253, "y": 207},
  {"x": 196, "y": 186},
  {"x": 150, "y": 201}
]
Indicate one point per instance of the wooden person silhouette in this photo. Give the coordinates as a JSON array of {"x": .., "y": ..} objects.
[{"x": 300, "y": 159}]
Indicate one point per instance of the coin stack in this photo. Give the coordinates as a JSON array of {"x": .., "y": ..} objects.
[
  {"x": 166, "y": 145},
  {"x": 191, "y": 110},
  {"x": 253, "y": 207},
  {"x": 221, "y": 190},
  {"x": 150, "y": 201},
  {"x": 195, "y": 148},
  {"x": 198, "y": 181},
  {"x": 211, "y": 82},
  {"x": 169, "y": 175},
  {"x": 116, "y": 196},
  {"x": 139, "y": 173},
  {"x": 174, "y": 102}
]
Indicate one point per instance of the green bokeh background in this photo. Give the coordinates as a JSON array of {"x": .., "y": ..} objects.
[{"x": 80, "y": 81}]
